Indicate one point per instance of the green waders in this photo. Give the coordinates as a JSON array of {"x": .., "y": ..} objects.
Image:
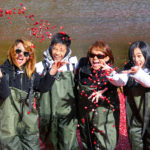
[
  {"x": 58, "y": 121},
  {"x": 18, "y": 133},
  {"x": 98, "y": 123},
  {"x": 135, "y": 109}
]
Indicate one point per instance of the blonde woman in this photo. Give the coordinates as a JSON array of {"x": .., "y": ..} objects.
[{"x": 18, "y": 83}]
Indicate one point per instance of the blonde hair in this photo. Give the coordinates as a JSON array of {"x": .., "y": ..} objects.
[{"x": 29, "y": 47}]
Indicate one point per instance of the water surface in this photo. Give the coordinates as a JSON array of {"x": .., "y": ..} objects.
[{"x": 117, "y": 22}]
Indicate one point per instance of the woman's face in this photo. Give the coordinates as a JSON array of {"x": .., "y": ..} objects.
[
  {"x": 22, "y": 55},
  {"x": 96, "y": 59},
  {"x": 58, "y": 51},
  {"x": 138, "y": 57}
]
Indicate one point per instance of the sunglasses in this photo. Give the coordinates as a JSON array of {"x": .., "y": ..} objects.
[
  {"x": 98, "y": 56},
  {"x": 18, "y": 51}
]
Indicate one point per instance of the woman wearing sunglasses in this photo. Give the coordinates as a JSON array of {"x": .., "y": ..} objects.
[
  {"x": 18, "y": 84},
  {"x": 98, "y": 104}
]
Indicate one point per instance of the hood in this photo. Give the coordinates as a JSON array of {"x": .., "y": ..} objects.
[{"x": 48, "y": 58}]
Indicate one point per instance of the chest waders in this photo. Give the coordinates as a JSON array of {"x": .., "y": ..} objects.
[
  {"x": 18, "y": 133},
  {"x": 97, "y": 123},
  {"x": 58, "y": 114},
  {"x": 138, "y": 114}
]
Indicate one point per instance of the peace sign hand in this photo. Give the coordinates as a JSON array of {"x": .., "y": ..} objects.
[
  {"x": 105, "y": 67},
  {"x": 133, "y": 70},
  {"x": 55, "y": 66}
]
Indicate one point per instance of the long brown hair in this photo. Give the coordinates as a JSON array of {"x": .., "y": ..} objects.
[
  {"x": 30, "y": 66},
  {"x": 103, "y": 47}
]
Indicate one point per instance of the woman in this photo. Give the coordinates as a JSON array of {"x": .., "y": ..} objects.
[
  {"x": 135, "y": 77},
  {"x": 98, "y": 104},
  {"x": 58, "y": 121},
  {"x": 18, "y": 84}
]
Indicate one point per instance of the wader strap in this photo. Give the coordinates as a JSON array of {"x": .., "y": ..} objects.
[
  {"x": 146, "y": 117},
  {"x": 135, "y": 109},
  {"x": 68, "y": 68},
  {"x": 29, "y": 99},
  {"x": 89, "y": 132},
  {"x": 22, "y": 109},
  {"x": 51, "y": 119},
  {"x": 37, "y": 98},
  {"x": 46, "y": 67},
  {"x": 31, "y": 93},
  {"x": 74, "y": 68}
]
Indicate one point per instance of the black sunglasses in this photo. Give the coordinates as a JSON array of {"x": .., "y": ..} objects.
[
  {"x": 98, "y": 56},
  {"x": 18, "y": 51}
]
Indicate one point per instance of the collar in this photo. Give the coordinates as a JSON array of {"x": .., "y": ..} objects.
[
  {"x": 48, "y": 58},
  {"x": 20, "y": 71}
]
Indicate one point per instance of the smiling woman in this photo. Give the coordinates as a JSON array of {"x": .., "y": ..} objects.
[
  {"x": 98, "y": 103},
  {"x": 98, "y": 53},
  {"x": 135, "y": 79},
  {"x": 18, "y": 84},
  {"x": 58, "y": 51},
  {"x": 23, "y": 56}
]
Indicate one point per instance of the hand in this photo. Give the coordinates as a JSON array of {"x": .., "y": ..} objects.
[
  {"x": 133, "y": 70},
  {"x": 1, "y": 75},
  {"x": 55, "y": 66},
  {"x": 105, "y": 67},
  {"x": 96, "y": 95}
]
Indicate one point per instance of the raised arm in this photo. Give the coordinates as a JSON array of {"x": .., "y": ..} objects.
[
  {"x": 45, "y": 82},
  {"x": 142, "y": 77},
  {"x": 136, "y": 72},
  {"x": 117, "y": 79}
]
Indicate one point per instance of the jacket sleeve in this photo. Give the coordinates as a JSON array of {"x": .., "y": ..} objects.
[
  {"x": 118, "y": 79},
  {"x": 142, "y": 77},
  {"x": 44, "y": 83},
  {"x": 4, "y": 88}
]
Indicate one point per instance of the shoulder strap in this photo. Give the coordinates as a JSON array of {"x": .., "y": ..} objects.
[
  {"x": 73, "y": 65},
  {"x": 146, "y": 116},
  {"x": 74, "y": 69},
  {"x": 31, "y": 92},
  {"x": 46, "y": 67},
  {"x": 68, "y": 67}
]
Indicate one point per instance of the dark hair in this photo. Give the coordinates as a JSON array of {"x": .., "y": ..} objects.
[
  {"x": 62, "y": 38},
  {"x": 145, "y": 49}
]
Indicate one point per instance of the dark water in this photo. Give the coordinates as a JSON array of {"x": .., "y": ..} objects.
[{"x": 117, "y": 22}]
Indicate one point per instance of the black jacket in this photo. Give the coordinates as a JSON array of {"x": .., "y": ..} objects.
[
  {"x": 13, "y": 77},
  {"x": 97, "y": 80}
]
